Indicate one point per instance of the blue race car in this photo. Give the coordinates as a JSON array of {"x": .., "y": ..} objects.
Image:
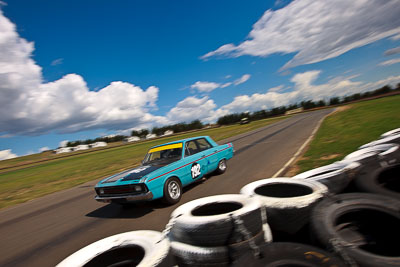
[{"x": 165, "y": 170}]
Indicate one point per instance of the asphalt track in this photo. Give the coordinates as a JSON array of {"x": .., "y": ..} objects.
[{"x": 44, "y": 231}]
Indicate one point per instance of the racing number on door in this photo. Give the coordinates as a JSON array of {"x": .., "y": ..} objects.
[{"x": 195, "y": 170}]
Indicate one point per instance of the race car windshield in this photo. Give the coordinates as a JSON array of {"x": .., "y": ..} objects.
[{"x": 163, "y": 154}]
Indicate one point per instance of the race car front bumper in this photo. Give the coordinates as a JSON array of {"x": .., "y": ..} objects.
[{"x": 126, "y": 198}]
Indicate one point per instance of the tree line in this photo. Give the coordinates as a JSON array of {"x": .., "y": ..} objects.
[
  {"x": 176, "y": 128},
  {"x": 99, "y": 139}
]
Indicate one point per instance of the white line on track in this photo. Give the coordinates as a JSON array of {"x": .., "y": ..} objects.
[{"x": 300, "y": 150}]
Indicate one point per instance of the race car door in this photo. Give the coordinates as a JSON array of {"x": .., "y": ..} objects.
[
  {"x": 196, "y": 164},
  {"x": 210, "y": 153}
]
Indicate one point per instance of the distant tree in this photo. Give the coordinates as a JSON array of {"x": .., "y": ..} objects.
[
  {"x": 334, "y": 101},
  {"x": 143, "y": 133},
  {"x": 308, "y": 104},
  {"x": 134, "y": 133},
  {"x": 278, "y": 111},
  {"x": 258, "y": 115},
  {"x": 196, "y": 124},
  {"x": 366, "y": 94},
  {"x": 347, "y": 99},
  {"x": 383, "y": 90},
  {"x": 321, "y": 103}
]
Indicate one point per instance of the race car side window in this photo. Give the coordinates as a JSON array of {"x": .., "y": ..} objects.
[
  {"x": 203, "y": 144},
  {"x": 191, "y": 148}
]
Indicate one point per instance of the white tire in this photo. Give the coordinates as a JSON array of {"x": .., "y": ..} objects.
[
  {"x": 388, "y": 153},
  {"x": 210, "y": 222},
  {"x": 288, "y": 201},
  {"x": 145, "y": 248},
  {"x": 335, "y": 176},
  {"x": 392, "y": 132},
  {"x": 189, "y": 255},
  {"x": 389, "y": 139}
]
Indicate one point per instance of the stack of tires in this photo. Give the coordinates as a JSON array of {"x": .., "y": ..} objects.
[
  {"x": 353, "y": 222},
  {"x": 217, "y": 230}
]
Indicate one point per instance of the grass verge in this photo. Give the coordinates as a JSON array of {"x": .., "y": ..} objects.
[
  {"x": 343, "y": 132},
  {"x": 23, "y": 183}
]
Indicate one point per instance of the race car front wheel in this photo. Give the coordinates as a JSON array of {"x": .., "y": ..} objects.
[{"x": 172, "y": 191}]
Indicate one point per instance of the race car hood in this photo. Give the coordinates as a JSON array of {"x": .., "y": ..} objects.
[{"x": 132, "y": 174}]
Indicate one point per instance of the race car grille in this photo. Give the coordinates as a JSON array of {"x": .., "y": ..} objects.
[{"x": 121, "y": 190}]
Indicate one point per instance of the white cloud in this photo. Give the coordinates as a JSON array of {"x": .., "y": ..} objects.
[
  {"x": 42, "y": 149},
  {"x": 276, "y": 89},
  {"x": 390, "y": 62},
  {"x": 205, "y": 86},
  {"x": 396, "y": 37},
  {"x": 30, "y": 152},
  {"x": 63, "y": 143},
  {"x": 191, "y": 108},
  {"x": 226, "y": 85},
  {"x": 242, "y": 79},
  {"x": 30, "y": 106},
  {"x": 57, "y": 61},
  {"x": 317, "y": 30},
  {"x": 7, "y": 154},
  {"x": 392, "y": 51}
]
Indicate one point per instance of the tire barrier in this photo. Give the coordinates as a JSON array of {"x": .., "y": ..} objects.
[
  {"x": 190, "y": 255},
  {"x": 335, "y": 176},
  {"x": 209, "y": 221},
  {"x": 136, "y": 248},
  {"x": 288, "y": 202},
  {"x": 384, "y": 154},
  {"x": 395, "y": 138},
  {"x": 362, "y": 228},
  {"x": 216, "y": 230},
  {"x": 382, "y": 180},
  {"x": 290, "y": 254},
  {"x": 392, "y": 132}
]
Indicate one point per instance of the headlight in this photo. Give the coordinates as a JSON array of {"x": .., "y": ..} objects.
[
  {"x": 101, "y": 191},
  {"x": 137, "y": 188}
]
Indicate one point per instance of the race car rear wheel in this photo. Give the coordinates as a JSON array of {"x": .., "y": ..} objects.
[
  {"x": 221, "y": 166},
  {"x": 172, "y": 191}
]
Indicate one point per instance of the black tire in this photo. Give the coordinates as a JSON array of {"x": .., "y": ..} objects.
[
  {"x": 221, "y": 167},
  {"x": 383, "y": 181},
  {"x": 209, "y": 221},
  {"x": 290, "y": 254},
  {"x": 137, "y": 248},
  {"x": 336, "y": 176},
  {"x": 172, "y": 191},
  {"x": 363, "y": 227},
  {"x": 189, "y": 255},
  {"x": 288, "y": 201}
]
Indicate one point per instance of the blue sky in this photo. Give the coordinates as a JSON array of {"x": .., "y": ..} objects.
[{"x": 72, "y": 70}]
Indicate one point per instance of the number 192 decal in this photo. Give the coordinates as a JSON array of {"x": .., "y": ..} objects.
[{"x": 195, "y": 170}]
